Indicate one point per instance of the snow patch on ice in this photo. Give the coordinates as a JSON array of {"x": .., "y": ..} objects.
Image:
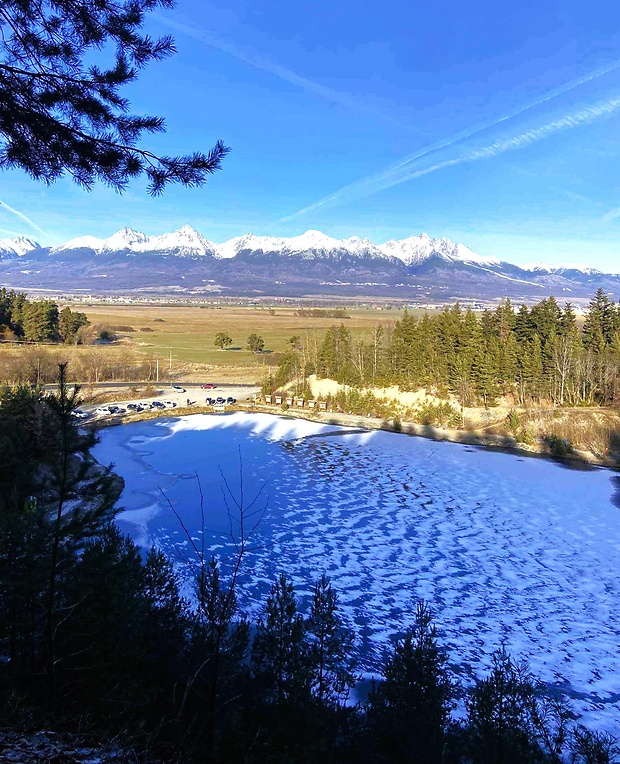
[{"x": 506, "y": 549}]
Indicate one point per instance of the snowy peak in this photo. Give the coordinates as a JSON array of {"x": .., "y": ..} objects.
[
  {"x": 17, "y": 247},
  {"x": 561, "y": 268},
  {"x": 82, "y": 242},
  {"x": 308, "y": 244},
  {"x": 417, "y": 249},
  {"x": 184, "y": 242},
  {"x": 126, "y": 238}
]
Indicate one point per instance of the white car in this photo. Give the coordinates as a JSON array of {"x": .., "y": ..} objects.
[
  {"x": 78, "y": 414},
  {"x": 178, "y": 389},
  {"x": 170, "y": 404},
  {"x": 103, "y": 411},
  {"x": 144, "y": 405}
]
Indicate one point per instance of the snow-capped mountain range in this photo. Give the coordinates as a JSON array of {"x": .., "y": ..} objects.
[
  {"x": 310, "y": 264},
  {"x": 187, "y": 242}
]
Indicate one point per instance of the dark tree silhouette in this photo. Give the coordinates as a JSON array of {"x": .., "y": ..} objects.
[{"x": 60, "y": 113}]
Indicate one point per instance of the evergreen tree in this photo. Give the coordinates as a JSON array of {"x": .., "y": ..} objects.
[
  {"x": 545, "y": 318},
  {"x": 522, "y": 327},
  {"x": 6, "y": 303},
  {"x": 17, "y": 309},
  {"x": 488, "y": 324},
  {"x": 509, "y": 722},
  {"x": 56, "y": 501},
  {"x": 330, "y": 647},
  {"x": 601, "y": 322},
  {"x": 280, "y": 648},
  {"x": 568, "y": 320},
  {"x": 40, "y": 321},
  {"x": 217, "y": 656},
  {"x": 407, "y": 350},
  {"x": 282, "y": 678},
  {"x": 408, "y": 711},
  {"x": 486, "y": 373},
  {"x": 69, "y": 324},
  {"x": 505, "y": 320}
]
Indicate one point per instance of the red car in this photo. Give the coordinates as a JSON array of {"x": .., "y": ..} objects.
[{"x": 207, "y": 386}]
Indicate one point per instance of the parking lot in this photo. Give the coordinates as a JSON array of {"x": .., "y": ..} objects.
[{"x": 170, "y": 398}]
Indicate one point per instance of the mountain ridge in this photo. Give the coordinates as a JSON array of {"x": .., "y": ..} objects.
[
  {"x": 186, "y": 241},
  {"x": 417, "y": 269}
]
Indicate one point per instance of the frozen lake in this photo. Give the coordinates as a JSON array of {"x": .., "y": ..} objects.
[{"x": 507, "y": 550}]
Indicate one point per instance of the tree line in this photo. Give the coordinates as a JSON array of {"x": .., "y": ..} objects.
[
  {"x": 95, "y": 636},
  {"x": 38, "y": 320},
  {"x": 530, "y": 355}
]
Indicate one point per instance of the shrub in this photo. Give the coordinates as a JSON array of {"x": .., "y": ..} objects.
[
  {"x": 438, "y": 415},
  {"x": 513, "y": 421},
  {"x": 558, "y": 446},
  {"x": 106, "y": 335},
  {"x": 524, "y": 436}
]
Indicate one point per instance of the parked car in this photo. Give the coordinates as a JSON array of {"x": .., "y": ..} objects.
[
  {"x": 220, "y": 400},
  {"x": 178, "y": 389},
  {"x": 208, "y": 386},
  {"x": 133, "y": 407},
  {"x": 158, "y": 405},
  {"x": 103, "y": 411},
  {"x": 144, "y": 406},
  {"x": 210, "y": 401},
  {"x": 78, "y": 414},
  {"x": 170, "y": 404},
  {"x": 230, "y": 399}
]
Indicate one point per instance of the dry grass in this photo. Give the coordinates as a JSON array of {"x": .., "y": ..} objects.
[
  {"x": 182, "y": 337},
  {"x": 595, "y": 431}
]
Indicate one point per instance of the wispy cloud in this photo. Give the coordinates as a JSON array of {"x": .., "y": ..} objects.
[
  {"x": 412, "y": 166},
  {"x": 352, "y": 103},
  {"x": 23, "y": 217},
  {"x": 611, "y": 215}
]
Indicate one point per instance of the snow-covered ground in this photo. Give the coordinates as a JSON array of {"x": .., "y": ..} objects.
[{"x": 508, "y": 550}]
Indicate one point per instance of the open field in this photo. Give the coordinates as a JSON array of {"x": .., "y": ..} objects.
[{"x": 186, "y": 334}]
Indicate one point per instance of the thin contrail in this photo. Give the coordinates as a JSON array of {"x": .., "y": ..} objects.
[
  {"x": 23, "y": 217},
  {"x": 403, "y": 170},
  {"x": 278, "y": 70},
  {"x": 584, "y": 116},
  {"x": 9, "y": 232}
]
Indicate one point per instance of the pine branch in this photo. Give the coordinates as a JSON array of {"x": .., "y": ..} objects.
[{"x": 59, "y": 116}]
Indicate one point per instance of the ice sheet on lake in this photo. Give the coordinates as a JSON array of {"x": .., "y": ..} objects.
[{"x": 507, "y": 550}]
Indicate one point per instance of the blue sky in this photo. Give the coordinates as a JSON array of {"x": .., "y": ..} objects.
[{"x": 497, "y": 125}]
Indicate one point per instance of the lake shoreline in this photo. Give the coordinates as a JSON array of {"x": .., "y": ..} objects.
[{"x": 577, "y": 459}]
